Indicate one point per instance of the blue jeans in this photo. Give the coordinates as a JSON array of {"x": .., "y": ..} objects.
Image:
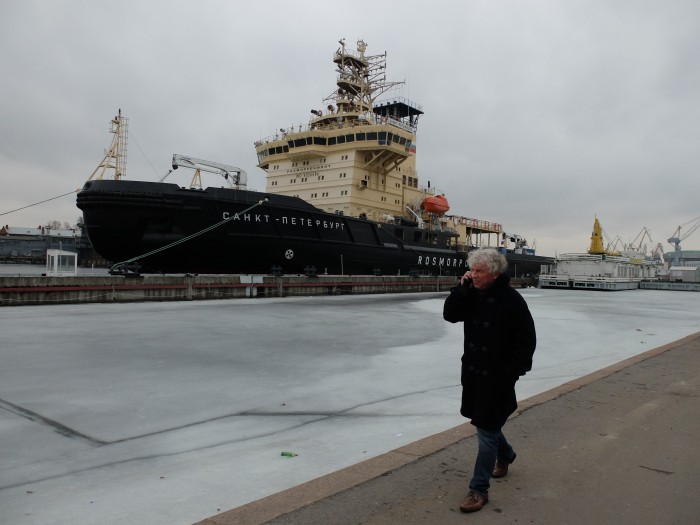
[{"x": 492, "y": 446}]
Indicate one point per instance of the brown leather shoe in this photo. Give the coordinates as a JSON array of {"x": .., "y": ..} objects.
[
  {"x": 473, "y": 502},
  {"x": 501, "y": 469}
]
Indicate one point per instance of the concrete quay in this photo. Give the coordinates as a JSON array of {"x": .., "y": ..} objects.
[
  {"x": 33, "y": 290},
  {"x": 615, "y": 446}
]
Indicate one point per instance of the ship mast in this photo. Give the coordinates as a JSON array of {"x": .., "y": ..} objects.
[
  {"x": 361, "y": 78},
  {"x": 115, "y": 157}
]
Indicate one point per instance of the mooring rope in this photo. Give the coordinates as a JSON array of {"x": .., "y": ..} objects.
[
  {"x": 184, "y": 239},
  {"x": 37, "y": 203}
]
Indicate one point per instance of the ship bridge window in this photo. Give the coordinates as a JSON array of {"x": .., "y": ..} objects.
[
  {"x": 402, "y": 141},
  {"x": 331, "y": 141},
  {"x": 299, "y": 143},
  {"x": 396, "y": 139},
  {"x": 320, "y": 141},
  {"x": 350, "y": 138},
  {"x": 389, "y": 137},
  {"x": 382, "y": 138},
  {"x": 372, "y": 136},
  {"x": 360, "y": 136},
  {"x": 341, "y": 139}
]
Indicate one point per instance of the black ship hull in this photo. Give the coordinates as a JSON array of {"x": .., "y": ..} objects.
[
  {"x": 526, "y": 264},
  {"x": 258, "y": 233}
]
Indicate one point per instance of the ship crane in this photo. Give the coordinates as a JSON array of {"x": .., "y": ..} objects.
[
  {"x": 236, "y": 177},
  {"x": 676, "y": 238},
  {"x": 516, "y": 239}
]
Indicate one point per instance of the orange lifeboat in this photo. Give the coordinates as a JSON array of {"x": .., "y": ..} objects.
[{"x": 437, "y": 204}]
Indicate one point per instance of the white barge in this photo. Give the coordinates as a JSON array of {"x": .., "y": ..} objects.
[{"x": 599, "y": 269}]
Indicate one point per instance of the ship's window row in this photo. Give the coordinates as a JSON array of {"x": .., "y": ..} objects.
[
  {"x": 410, "y": 181},
  {"x": 383, "y": 138},
  {"x": 342, "y": 194}
]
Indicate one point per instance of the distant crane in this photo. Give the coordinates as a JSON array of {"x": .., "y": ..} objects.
[
  {"x": 658, "y": 253},
  {"x": 611, "y": 247},
  {"x": 676, "y": 238},
  {"x": 640, "y": 247}
]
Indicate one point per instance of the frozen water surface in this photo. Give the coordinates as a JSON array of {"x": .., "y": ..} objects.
[{"x": 166, "y": 413}]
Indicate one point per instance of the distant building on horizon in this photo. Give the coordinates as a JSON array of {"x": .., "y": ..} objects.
[
  {"x": 27, "y": 245},
  {"x": 686, "y": 258},
  {"x": 22, "y": 244}
]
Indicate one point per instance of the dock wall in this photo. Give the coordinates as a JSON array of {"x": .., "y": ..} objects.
[
  {"x": 667, "y": 285},
  {"x": 18, "y": 291}
]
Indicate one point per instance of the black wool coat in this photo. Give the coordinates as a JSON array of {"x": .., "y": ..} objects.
[{"x": 499, "y": 342}]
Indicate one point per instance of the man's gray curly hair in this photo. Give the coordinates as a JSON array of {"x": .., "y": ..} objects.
[{"x": 495, "y": 261}]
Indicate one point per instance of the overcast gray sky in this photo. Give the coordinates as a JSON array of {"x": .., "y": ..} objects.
[{"x": 539, "y": 114}]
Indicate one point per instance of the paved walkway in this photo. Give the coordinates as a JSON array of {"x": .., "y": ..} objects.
[{"x": 617, "y": 446}]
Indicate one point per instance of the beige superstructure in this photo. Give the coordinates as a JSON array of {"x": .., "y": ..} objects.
[{"x": 357, "y": 157}]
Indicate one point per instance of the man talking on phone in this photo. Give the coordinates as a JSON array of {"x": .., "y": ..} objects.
[{"x": 499, "y": 342}]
